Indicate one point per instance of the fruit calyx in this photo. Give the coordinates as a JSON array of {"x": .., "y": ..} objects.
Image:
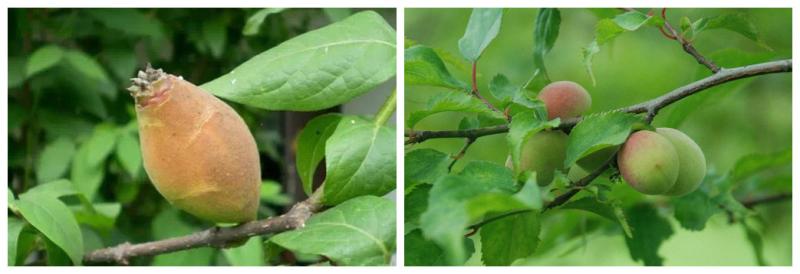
[{"x": 143, "y": 88}]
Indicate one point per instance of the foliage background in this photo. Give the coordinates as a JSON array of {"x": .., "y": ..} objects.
[
  {"x": 71, "y": 96},
  {"x": 740, "y": 118}
]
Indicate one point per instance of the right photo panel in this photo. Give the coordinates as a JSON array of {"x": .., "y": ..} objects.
[{"x": 598, "y": 137}]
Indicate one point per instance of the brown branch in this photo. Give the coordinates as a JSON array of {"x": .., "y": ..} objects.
[
  {"x": 475, "y": 89},
  {"x": 212, "y": 237},
  {"x": 650, "y": 107},
  {"x": 687, "y": 45},
  {"x": 766, "y": 199},
  {"x": 461, "y": 152}
]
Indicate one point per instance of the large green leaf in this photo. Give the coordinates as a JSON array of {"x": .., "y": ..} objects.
[
  {"x": 100, "y": 144},
  {"x": 131, "y": 21},
  {"x": 424, "y": 67},
  {"x": 316, "y": 70},
  {"x": 422, "y": 252},
  {"x": 360, "y": 231},
  {"x": 311, "y": 146},
  {"x": 483, "y": 26},
  {"x": 598, "y": 131},
  {"x": 86, "y": 177},
  {"x": 609, "y": 28},
  {"x": 545, "y": 33},
  {"x": 650, "y": 230},
  {"x": 54, "y": 160},
  {"x": 524, "y": 125},
  {"x": 416, "y": 203},
  {"x": 450, "y": 101},
  {"x": 359, "y": 160},
  {"x": 55, "y": 221},
  {"x": 694, "y": 209},
  {"x": 736, "y": 22},
  {"x": 43, "y": 58},
  {"x": 509, "y": 238},
  {"x": 215, "y": 35},
  {"x": 15, "y": 227},
  {"x": 129, "y": 154},
  {"x": 424, "y": 166}
]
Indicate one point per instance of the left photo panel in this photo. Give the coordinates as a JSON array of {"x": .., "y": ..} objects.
[{"x": 201, "y": 137}]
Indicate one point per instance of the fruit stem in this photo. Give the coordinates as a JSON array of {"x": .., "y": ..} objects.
[{"x": 387, "y": 109}]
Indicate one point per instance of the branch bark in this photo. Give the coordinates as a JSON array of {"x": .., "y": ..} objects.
[
  {"x": 650, "y": 107},
  {"x": 213, "y": 237}
]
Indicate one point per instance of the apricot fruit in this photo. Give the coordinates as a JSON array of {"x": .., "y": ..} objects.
[
  {"x": 692, "y": 162},
  {"x": 649, "y": 162},
  {"x": 544, "y": 153},
  {"x": 197, "y": 150},
  {"x": 565, "y": 99}
]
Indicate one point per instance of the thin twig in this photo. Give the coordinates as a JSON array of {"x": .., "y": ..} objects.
[
  {"x": 475, "y": 89},
  {"x": 766, "y": 199},
  {"x": 212, "y": 237},
  {"x": 651, "y": 107},
  {"x": 461, "y": 152},
  {"x": 687, "y": 45}
]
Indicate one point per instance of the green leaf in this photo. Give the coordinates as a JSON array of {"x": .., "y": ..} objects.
[
  {"x": 316, "y": 70},
  {"x": 122, "y": 62},
  {"x": 609, "y": 28},
  {"x": 545, "y": 33},
  {"x": 424, "y": 166},
  {"x": 359, "y": 160},
  {"x": 424, "y": 67},
  {"x": 650, "y": 230},
  {"x": 100, "y": 144},
  {"x": 311, "y": 146},
  {"x": 129, "y": 154},
  {"x": 416, "y": 203},
  {"x": 16, "y": 71},
  {"x": 168, "y": 224},
  {"x": 337, "y": 14},
  {"x": 492, "y": 204},
  {"x": 42, "y": 59},
  {"x": 509, "y": 238},
  {"x": 502, "y": 89},
  {"x": 215, "y": 35},
  {"x": 694, "y": 209},
  {"x": 360, "y": 231},
  {"x": 755, "y": 163},
  {"x": 450, "y": 101},
  {"x": 55, "y": 221},
  {"x": 598, "y": 131},
  {"x": 249, "y": 254},
  {"x": 131, "y": 21},
  {"x": 449, "y": 211},
  {"x": 15, "y": 227},
  {"x": 253, "y": 24},
  {"x": 483, "y": 26},
  {"x": 101, "y": 216},
  {"x": 736, "y": 22},
  {"x": 422, "y": 252},
  {"x": 86, "y": 66},
  {"x": 605, "y": 210},
  {"x": 755, "y": 239},
  {"x": 530, "y": 195},
  {"x": 86, "y": 177},
  {"x": 271, "y": 193},
  {"x": 54, "y": 160},
  {"x": 524, "y": 125}
]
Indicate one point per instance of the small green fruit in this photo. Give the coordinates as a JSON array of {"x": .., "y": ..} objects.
[
  {"x": 649, "y": 162},
  {"x": 544, "y": 153},
  {"x": 692, "y": 166}
]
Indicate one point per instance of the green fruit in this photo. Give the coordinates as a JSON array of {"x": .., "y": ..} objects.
[
  {"x": 649, "y": 162},
  {"x": 692, "y": 162},
  {"x": 544, "y": 153},
  {"x": 565, "y": 99}
]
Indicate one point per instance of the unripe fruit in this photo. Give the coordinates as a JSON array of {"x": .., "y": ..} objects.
[
  {"x": 648, "y": 162},
  {"x": 543, "y": 153},
  {"x": 196, "y": 150},
  {"x": 565, "y": 99},
  {"x": 692, "y": 162}
]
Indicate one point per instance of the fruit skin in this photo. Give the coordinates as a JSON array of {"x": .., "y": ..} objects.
[
  {"x": 692, "y": 166},
  {"x": 544, "y": 153},
  {"x": 565, "y": 99},
  {"x": 197, "y": 150},
  {"x": 649, "y": 162}
]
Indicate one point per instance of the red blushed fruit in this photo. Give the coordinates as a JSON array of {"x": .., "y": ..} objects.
[
  {"x": 197, "y": 151},
  {"x": 565, "y": 99}
]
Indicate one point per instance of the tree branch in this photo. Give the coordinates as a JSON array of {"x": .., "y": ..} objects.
[
  {"x": 461, "y": 152},
  {"x": 213, "y": 237},
  {"x": 651, "y": 107},
  {"x": 766, "y": 199}
]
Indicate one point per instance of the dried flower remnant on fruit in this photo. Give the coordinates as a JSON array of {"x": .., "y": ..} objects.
[{"x": 141, "y": 84}]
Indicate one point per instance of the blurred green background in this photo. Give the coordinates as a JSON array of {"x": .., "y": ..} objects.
[
  {"x": 736, "y": 119},
  {"x": 68, "y": 70}
]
